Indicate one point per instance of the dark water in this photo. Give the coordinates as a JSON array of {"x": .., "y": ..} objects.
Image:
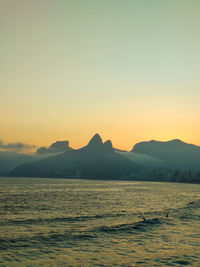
[{"x": 57, "y": 222}]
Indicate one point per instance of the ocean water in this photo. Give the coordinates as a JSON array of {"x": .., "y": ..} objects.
[{"x": 61, "y": 222}]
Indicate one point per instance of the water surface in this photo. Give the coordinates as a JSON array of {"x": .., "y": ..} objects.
[{"x": 61, "y": 222}]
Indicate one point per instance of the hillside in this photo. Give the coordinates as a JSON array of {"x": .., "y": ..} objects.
[{"x": 97, "y": 160}]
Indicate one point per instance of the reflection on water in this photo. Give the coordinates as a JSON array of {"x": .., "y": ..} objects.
[{"x": 57, "y": 222}]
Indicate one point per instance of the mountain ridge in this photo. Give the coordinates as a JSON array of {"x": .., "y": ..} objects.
[
  {"x": 96, "y": 160},
  {"x": 152, "y": 160},
  {"x": 176, "y": 153}
]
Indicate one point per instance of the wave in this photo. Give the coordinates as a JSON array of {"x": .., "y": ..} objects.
[
  {"x": 194, "y": 204},
  {"x": 70, "y": 238},
  {"x": 186, "y": 212},
  {"x": 173, "y": 212},
  {"x": 137, "y": 226},
  {"x": 153, "y": 219},
  {"x": 40, "y": 240},
  {"x": 60, "y": 219}
]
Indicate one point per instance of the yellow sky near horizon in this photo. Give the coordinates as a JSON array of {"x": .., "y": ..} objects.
[{"x": 128, "y": 70}]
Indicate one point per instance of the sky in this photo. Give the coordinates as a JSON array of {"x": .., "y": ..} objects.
[{"x": 126, "y": 69}]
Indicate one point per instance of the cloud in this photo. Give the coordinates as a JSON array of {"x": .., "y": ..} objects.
[{"x": 15, "y": 146}]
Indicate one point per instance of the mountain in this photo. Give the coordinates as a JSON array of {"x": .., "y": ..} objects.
[
  {"x": 145, "y": 161},
  {"x": 173, "y": 161},
  {"x": 57, "y": 147},
  {"x": 175, "y": 153},
  {"x": 97, "y": 160},
  {"x": 10, "y": 160}
]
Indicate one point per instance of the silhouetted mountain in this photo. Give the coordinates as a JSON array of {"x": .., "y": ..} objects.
[
  {"x": 173, "y": 161},
  {"x": 97, "y": 160},
  {"x": 95, "y": 141},
  {"x": 10, "y": 160},
  {"x": 145, "y": 161},
  {"x": 175, "y": 153},
  {"x": 58, "y": 146}
]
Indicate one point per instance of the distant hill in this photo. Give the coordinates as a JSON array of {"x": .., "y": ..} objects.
[
  {"x": 10, "y": 160},
  {"x": 173, "y": 161},
  {"x": 143, "y": 160},
  {"x": 175, "y": 153},
  {"x": 57, "y": 147},
  {"x": 97, "y": 160}
]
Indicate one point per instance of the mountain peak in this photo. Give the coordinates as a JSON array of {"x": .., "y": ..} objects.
[
  {"x": 96, "y": 140},
  {"x": 60, "y": 145},
  {"x": 56, "y": 147},
  {"x": 108, "y": 146}
]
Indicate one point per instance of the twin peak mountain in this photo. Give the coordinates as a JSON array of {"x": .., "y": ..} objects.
[
  {"x": 95, "y": 143},
  {"x": 96, "y": 160},
  {"x": 99, "y": 160}
]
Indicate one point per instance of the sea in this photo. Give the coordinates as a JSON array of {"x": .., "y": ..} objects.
[{"x": 65, "y": 222}]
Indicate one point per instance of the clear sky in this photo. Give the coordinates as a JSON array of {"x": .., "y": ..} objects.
[{"x": 127, "y": 69}]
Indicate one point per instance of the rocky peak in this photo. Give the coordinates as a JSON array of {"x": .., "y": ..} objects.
[
  {"x": 108, "y": 146},
  {"x": 96, "y": 140},
  {"x": 57, "y": 147}
]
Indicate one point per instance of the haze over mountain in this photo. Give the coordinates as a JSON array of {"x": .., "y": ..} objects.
[
  {"x": 154, "y": 160},
  {"x": 57, "y": 147},
  {"x": 174, "y": 153},
  {"x": 143, "y": 160},
  {"x": 11, "y": 159}
]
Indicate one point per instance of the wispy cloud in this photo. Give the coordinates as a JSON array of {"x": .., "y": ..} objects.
[{"x": 15, "y": 146}]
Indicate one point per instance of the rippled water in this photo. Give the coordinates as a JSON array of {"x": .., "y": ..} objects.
[{"x": 58, "y": 222}]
